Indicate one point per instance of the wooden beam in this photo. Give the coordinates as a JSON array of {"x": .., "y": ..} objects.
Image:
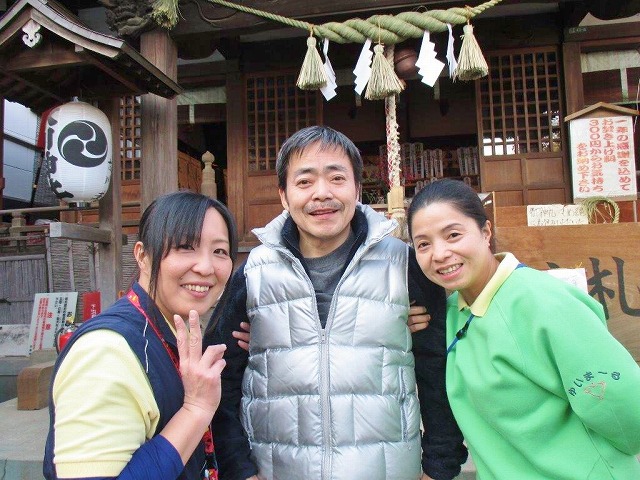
[
  {"x": 83, "y": 233},
  {"x": 40, "y": 59},
  {"x": 89, "y": 58},
  {"x": 109, "y": 282},
  {"x": 229, "y": 22},
  {"x": 601, "y": 32},
  {"x": 33, "y": 86},
  {"x": 159, "y": 166}
]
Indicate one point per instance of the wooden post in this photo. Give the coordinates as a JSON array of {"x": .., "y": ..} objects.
[
  {"x": 159, "y": 166},
  {"x": 573, "y": 88},
  {"x": 109, "y": 277},
  {"x": 208, "y": 186},
  {"x": 236, "y": 152}
]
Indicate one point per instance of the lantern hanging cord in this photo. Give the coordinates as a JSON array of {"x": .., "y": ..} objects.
[{"x": 390, "y": 29}]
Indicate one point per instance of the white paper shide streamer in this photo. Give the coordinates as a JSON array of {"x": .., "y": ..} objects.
[
  {"x": 451, "y": 56},
  {"x": 363, "y": 67},
  {"x": 429, "y": 67},
  {"x": 329, "y": 90}
]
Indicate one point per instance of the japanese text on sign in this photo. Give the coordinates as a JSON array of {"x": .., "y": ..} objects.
[{"x": 603, "y": 159}]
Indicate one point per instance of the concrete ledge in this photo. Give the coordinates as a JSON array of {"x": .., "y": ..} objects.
[{"x": 23, "y": 434}]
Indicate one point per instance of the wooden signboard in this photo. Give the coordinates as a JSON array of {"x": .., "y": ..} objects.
[
  {"x": 602, "y": 152},
  {"x": 609, "y": 254}
]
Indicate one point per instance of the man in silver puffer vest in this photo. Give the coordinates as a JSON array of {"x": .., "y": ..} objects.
[{"x": 328, "y": 389}]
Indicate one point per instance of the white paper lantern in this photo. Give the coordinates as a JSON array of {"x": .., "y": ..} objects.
[{"x": 78, "y": 152}]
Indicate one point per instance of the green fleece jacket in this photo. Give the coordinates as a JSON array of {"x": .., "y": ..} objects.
[{"x": 539, "y": 387}]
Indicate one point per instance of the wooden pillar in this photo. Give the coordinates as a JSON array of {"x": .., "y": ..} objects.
[
  {"x": 1, "y": 149},
  {"x": 159, "y": 166},
  {"x": 573, "y": 87},
  {"x": 236, "y": 150},
  {"x": 109, "y": 278}
]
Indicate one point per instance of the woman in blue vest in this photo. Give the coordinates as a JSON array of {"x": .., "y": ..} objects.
[
  {"x": 133, "y": 393},
  {"x": 537, "y": 384}
]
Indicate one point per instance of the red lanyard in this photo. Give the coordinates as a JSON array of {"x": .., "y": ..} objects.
[{"x": 210, "y": 468}]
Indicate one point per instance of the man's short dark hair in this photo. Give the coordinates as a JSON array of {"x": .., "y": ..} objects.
[{"x": 328, "y": 138}]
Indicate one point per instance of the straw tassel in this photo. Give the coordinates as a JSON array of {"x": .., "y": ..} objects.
[
  {"x": 312, "y": 74},
  {"x": 383, "y": 82},
  {"x": 165, "y": 13},
  {"x": 471, "y": 62}
]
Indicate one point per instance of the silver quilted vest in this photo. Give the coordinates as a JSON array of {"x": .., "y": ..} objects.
[{"x": 336, "y": 403}]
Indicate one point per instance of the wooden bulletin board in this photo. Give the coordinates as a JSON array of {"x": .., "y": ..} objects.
[{"x": 609, "y": 253}]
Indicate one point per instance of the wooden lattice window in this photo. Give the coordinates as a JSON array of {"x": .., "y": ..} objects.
[
  {"x": 130, "y": 137},
  {"x": 520, "y": 103},
  {"x": 276, "y": 108}
]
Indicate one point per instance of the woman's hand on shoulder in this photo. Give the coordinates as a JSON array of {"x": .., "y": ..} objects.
[{"x": 200, "y": 371}]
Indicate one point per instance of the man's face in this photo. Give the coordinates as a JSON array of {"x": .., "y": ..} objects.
[{"x": 321, "y": 196}]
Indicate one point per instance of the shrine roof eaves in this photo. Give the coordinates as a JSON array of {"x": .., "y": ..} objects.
[{"x": 48, "y": 56}]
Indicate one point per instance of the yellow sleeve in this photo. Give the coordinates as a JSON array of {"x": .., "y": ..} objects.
[{"x": 104, "y": 407}]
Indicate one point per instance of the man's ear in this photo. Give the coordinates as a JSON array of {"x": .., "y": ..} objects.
[{"x": 283, "y": 199}]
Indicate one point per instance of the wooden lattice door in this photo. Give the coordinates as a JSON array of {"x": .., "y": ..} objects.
[
  {"x": 520, "y": 124},
  {"x": 275, "y": 109}
]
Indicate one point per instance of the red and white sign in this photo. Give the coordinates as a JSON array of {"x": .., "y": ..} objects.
[
  {"x": 90, "y": 305},
  {"x": 50, "y": 312},
  {"x": 603, "y": 158}
]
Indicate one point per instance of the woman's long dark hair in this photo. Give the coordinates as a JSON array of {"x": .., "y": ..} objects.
[
  {"x": 454, "y": 192},
  {"x": 177, "y": 218}
]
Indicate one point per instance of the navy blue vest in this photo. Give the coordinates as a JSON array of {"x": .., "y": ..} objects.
[{"x": 123, "y": 318}]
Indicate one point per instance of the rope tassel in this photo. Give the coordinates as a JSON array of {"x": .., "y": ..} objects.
[
  {"x": 165, "y": 13},
  {"x": 312, "y": 74},
  {"x": 383, "y": 82},
  {"x": 471, "y": 62}
]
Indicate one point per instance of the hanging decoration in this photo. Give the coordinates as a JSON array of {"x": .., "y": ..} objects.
[
  {"x": 429, "y": 67},
  {"x": 78, "y": 152},
  {"x": 388, "y": 29},
  {"x": 363, "y": 67},
  {"x": 329, "y": 90},
  {"x": 404, "y": 63},
  {"x": 471, "y": 62},
  {"x": 383, "y": 82},
  {"x": 451, "y": 55},
  {"x": 312, "y": 74}
]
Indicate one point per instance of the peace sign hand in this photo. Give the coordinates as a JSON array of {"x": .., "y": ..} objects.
[{"x": 200, "y": 371}]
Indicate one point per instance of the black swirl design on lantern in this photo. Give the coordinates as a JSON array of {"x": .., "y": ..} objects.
[{"x": 83, "y": 143}]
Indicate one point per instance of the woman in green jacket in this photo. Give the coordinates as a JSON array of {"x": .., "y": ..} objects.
[{"x": 539, "y": 387}]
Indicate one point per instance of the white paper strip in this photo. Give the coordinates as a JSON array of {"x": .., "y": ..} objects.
[
  {"x": 363, "y": 67},
  {"x": 329, "y": 90},
  {"x": 429, "y": 66},
  {"x": 451, "y": 56}
]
